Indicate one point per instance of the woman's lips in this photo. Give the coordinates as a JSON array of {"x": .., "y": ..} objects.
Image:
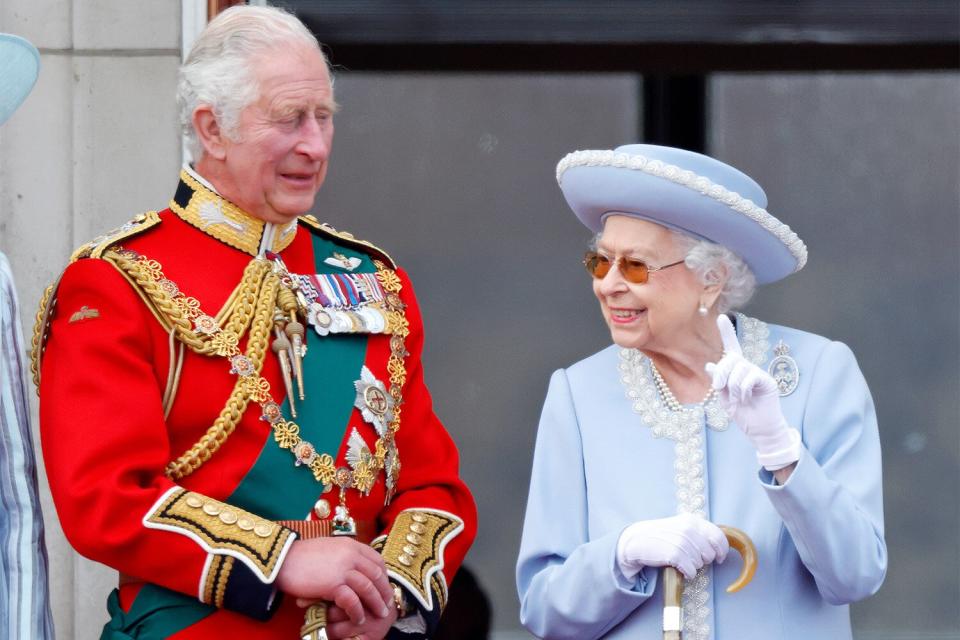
[{"x": 625, "y": 316}]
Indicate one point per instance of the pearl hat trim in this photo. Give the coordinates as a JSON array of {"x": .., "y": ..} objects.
[{"x": 689, "y": 179}]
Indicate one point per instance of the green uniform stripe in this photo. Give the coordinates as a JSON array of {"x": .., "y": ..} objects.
[
  {"x": 156, "y": 613},
  {"x": 275, "y": 488}
]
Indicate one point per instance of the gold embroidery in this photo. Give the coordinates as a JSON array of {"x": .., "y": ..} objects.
[
  {"x": 206, "y": 596},
  {"x": 41, "y": 329},
  {"x": 225, "y": 221},
  {"x": 226, "y": 566},
  {"x": 84, "y": 313},
  {"x": 215, "y": 585},
  {"x": 416, "y": 560},
  {"x": 347, "y": 238},
  {"x": 439, "y": 584},
  {"x": 217, "y": 526},
  {"x": 96, "y": 247}
]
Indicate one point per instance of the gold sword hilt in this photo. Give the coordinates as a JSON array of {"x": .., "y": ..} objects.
[
  {"x": 673, "y": 582},
  {"x": 315, "y": 622}
]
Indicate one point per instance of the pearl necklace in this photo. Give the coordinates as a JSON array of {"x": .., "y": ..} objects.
[{"x": 667, "y": 395}]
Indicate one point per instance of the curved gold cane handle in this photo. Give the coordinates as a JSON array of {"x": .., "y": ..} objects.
[
  {"x": 673, "y": 582},
  {"x": 744, "y": 546},
  {"x": 315, "y": 622}
]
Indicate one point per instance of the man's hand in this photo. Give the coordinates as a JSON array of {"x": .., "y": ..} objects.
[
  {"x": 340, "y": 625},
  {"x": 341, "y": 571}
]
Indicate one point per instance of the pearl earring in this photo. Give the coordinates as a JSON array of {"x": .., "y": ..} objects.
[{"x": 702, "y": 309}]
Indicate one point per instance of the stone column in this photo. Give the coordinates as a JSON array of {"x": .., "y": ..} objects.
[{"x": 95, "y": 143}]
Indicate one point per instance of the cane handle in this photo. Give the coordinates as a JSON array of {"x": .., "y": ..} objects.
[
  {"x": 744, "y": 546},
  {"x": 673, "y": 582}
]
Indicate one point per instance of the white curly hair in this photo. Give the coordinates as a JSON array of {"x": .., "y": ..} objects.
[
  {"x": 710, "y": 261},
  {"x": 219, "y": 69}
]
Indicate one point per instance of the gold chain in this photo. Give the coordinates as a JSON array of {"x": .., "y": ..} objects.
[{"x": 260, "y": 292}]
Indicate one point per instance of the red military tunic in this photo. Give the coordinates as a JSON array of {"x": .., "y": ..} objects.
[{"x": 122, "y": 397}]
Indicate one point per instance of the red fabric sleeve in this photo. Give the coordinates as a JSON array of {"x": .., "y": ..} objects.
[
  {"x": 105, "y": 440},
  {"x": 429, "y": 476}
]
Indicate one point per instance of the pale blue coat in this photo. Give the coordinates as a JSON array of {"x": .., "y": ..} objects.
[{"x": 598, "y": 468}]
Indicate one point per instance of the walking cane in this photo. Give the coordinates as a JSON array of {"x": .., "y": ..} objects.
[{"x": 673, "y": 582}]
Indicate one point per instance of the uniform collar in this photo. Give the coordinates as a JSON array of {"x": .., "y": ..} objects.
[{"x": 198, "y": 203}]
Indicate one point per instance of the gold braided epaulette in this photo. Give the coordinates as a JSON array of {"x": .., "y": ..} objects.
[
  {"x": 92, "y": 249},
  {"x": 310, "y": 221},
  {"x": 96, "y": 247}
]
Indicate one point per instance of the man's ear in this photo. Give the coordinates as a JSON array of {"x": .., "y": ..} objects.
[{"x": 209, "y": 132}]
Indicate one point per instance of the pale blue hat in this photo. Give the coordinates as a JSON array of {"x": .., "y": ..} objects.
[
  {"x": 686, "y": 191},
  {"x": 19, "y": 66}
]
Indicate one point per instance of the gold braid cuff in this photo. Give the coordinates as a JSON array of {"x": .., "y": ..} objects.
[
  {"x": 215, "y": 585},
  {"x": 413, "y": 553},
  {"x": 222, "y": 530}
]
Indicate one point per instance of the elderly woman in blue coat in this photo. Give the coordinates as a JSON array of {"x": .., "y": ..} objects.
[{"x": 696, "y": 417}]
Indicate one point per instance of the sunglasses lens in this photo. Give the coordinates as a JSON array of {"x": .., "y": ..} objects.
[
  {"x": 634, "y": 271},
  {"x": 596, "y": 264}
]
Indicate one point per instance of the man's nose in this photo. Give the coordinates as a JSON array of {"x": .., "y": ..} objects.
[{"x": 315, "y": 138}]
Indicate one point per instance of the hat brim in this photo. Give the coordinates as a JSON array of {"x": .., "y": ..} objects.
[
  {"x": 19, "y": 67},
  {"x": 598, "y": 190}
]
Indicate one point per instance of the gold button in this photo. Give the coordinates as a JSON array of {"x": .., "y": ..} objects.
[
  {"x": 228, "y": 516},
  {"x": 194, "y": 501},
  {"x": 263, "y": 529},
  {"x": 211, "y": 508},
  {"x": 419, "y": 517},
  {"x": 405, "y": 560},
  {"x": 245, "y": 523},
  {"x": 416, "y": 527},
  {"x": 413, "y": 538},
  {"x": 410, "y": 550}
]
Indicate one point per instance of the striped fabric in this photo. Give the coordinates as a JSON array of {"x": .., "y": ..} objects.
[{"x": 24, "y": 606}]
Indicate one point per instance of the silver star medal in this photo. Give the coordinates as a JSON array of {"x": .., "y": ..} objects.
[
  {"x": 357, "y": 449},
  {"x": 358, "y": 453},
  {"x": 343, "y": 262},
  {"x": 784, "y": 369},
  {"x": 373, "y": 401}
]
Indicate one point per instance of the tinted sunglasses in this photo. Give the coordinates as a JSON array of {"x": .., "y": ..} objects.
[{"x": 633, "y": 269}]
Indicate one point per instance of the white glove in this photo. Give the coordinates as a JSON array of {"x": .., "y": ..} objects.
[
  {"x": 686, "y": 542},
  {"x": 751, "y": 398}
]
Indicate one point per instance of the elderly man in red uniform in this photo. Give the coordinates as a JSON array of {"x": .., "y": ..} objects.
[{"x": 232, "y": 403}]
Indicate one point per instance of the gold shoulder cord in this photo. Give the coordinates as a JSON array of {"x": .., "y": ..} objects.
[{"x": 93, "y": 249}]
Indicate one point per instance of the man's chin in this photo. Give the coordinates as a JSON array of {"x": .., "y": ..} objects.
[{"x": 288, "y": 211}]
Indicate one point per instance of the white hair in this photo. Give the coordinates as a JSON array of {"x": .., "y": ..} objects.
[
  {"x": 711, "y": 262},
  {"x": 219, "y": 69}
]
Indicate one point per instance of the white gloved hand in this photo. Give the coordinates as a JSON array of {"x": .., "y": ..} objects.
[
  {"x": 752, "y": 400},
  {"x": 686, "y": 542}
]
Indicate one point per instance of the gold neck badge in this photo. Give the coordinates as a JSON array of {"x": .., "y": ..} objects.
[{"x": 218, "y": 217}]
